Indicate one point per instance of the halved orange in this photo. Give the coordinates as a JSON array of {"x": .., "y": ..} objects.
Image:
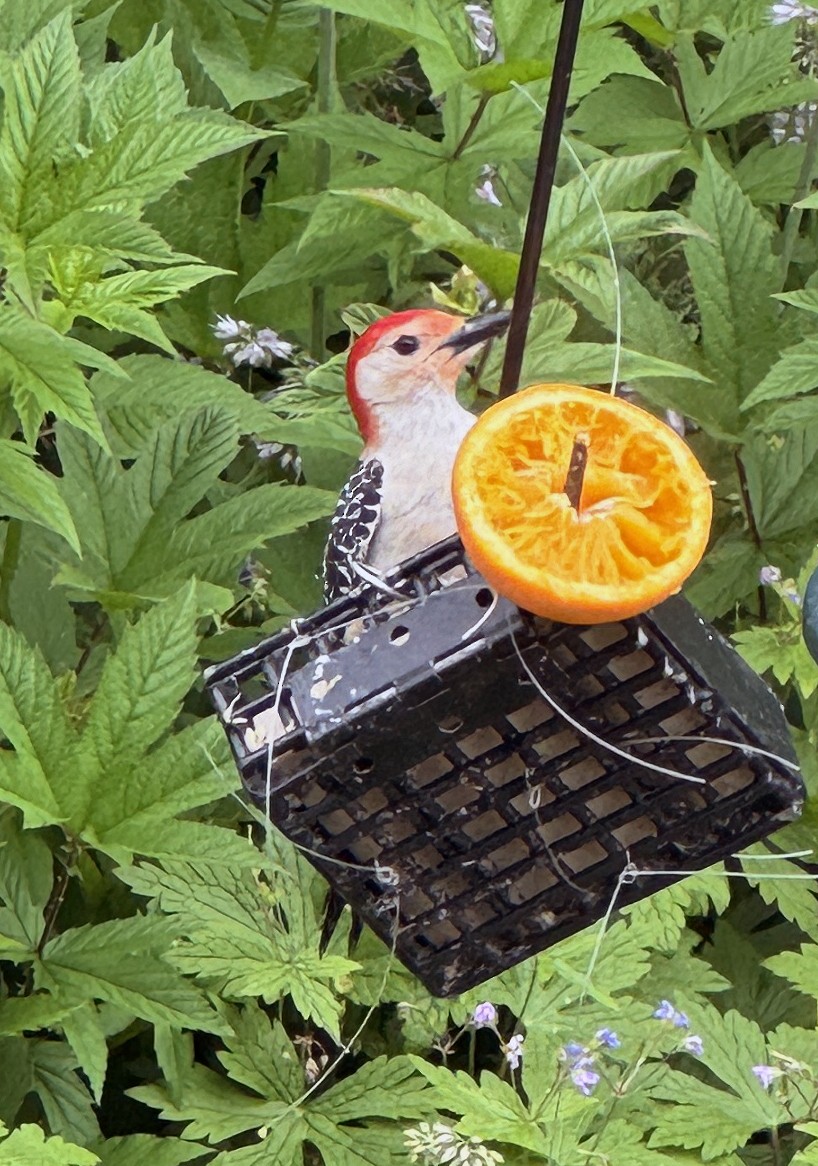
[{"x": 629, "y": 540}]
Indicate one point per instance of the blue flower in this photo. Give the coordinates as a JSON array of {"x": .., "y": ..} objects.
[
  {"x": 694, "y": 1045},
  {"x": 585, "y": 1080},
  {"x": 573, "y": 1051},
  {"x": 608, "y": 1037},
  {"x": 666, "y": 1011}
]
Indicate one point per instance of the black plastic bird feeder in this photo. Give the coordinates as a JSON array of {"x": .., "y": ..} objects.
[
  {"x": 475, "y": 780},
  {"x": 451, "y": 800}
]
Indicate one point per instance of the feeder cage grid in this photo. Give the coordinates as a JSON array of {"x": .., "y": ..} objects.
[{"x": 459, "y": 813}]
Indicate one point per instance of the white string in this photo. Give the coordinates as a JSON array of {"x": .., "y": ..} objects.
[
  {"x": 626, "y": 875},
  {"x": 741, "y": 745},
  {"x": 586, "y": 178},
  {"x": 600, "y": 741}
]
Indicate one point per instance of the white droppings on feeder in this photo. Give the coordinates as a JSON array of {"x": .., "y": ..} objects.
[
  {"x": 641, "y": 637},
  {"x": 265, "y": 729},
  {"x": 321, "y": 687}
]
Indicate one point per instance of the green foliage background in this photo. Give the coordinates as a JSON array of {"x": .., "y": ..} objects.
[{"x": 163, "y": 994}]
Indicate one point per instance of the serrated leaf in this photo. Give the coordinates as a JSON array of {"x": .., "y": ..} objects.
[
  {"x": 118, "y": 302},
  {"x": 212, "y": 1107},
  {"x": 29, "y": 1146},
  {"x": 62, "y": 1094},
  {"x": 753, "y": 74},
  {"x": 648, "y": 117},
  {"x": 492, "y": 1107},
  {"x": 122, "y": 962},
  {"x": 733, "y": 277},
  {"x": 43, "y": 371},
  {"x": 237, "y": 945},
  {"x": 794, "y": 373},
  {"x": 25, "y": 884},
  {"x": 139, "y": 693},
  {"x": 137, "y": 1149},
  {"x": 33, "y": 720},
  {"x": 31, "y": 494},
  {"x": 147, "y": 87},
  {"x": 40, "y": 119},
  {"x": 435, "y": 229},
  {"x": 84, "y": 1032}
]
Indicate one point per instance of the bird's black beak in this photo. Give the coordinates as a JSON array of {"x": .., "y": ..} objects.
[{"x": 476, "y": 330}]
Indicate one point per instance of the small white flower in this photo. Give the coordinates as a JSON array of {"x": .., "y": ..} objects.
[
  {"x": 252, "y": 354},
  {"x": 514, "y": 1050},
  {"x": 271, "y": 340},
  {"x": 786, "y": 10},
  {"x": 439, "y": 1144},
  {"x": 487, "y": 193},
  {"x": 227, "y": 328}
]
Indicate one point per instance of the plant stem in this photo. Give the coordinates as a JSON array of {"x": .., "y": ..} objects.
[
  {"x": 576, "y": 470},
  {"x": 323, "y": 157},
  {"x": 747, "y": 504},
  {"x": 468, "y": 133},
  {"x": 795, "y": 214},
  {"x": 8, "y": 569},
  {"x": 262, "y": 47},
  {"x": 52, "y": 907},
  {"x": 541, "y": 195}
]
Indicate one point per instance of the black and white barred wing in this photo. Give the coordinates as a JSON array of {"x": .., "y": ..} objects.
[{"x": 352, "y": 529}]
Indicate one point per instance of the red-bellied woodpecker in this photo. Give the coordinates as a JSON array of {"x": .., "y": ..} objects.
[{"x": 401, "y": 382}]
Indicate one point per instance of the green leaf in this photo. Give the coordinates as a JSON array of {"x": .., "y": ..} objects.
[
  {"x": 33, "y": 720},
  {"x": 31, "y": 494},
  {"x": 733, "y": 277},
  {"x": 493, "y": 1107},
  {"x": 86, "y": 1035},
  {"x": 122, "y": 961},
  {"x": 213, "y": 1107},
  {"x": 25, "y": 885},
  {"x": 149, "y": 553},
  {"x": 141, "y": 688},
  {"x": 62, "y": 1094},
  {"x": 118, "y": 302},
  {"x": 648, "y": 117},
  {"x": 753, "y": 74},
  {"x": 42, "y": 368},
  {"x": 795, "y": 372},
  {"x": 237, "y": 947},
  {"x": 137, "y": 1149},
  {"x": 28, "y": 1146},
  {"x": 40, "y": 119},
  {"x": 435, "y": 229}
]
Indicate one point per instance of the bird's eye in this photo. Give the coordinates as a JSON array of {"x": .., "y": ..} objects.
[{"x": 406, "y": 345}]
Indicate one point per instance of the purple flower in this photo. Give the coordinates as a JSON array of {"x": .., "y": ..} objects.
[
  {"x": 608, "y": 1037},
  {"x": 585, "y": 1080},
  {"x": 514, "y": 1050},
  {"x": 769, "y": 575},
  {"x": 484, "y": 1015},
  {"x": 666, "y": 1011},
  {"x": 573, "y": 1051},
  {"x": 766, "y": 1074},
  {"x": 694, "y": 1045}
]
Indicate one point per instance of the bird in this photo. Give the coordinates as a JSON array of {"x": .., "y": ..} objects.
[{"x": 401, "y": 380}]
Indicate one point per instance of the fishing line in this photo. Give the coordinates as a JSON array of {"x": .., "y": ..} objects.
[
  {"x": 586, "y": 178},
  {"x": 586, "y": 732}
]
